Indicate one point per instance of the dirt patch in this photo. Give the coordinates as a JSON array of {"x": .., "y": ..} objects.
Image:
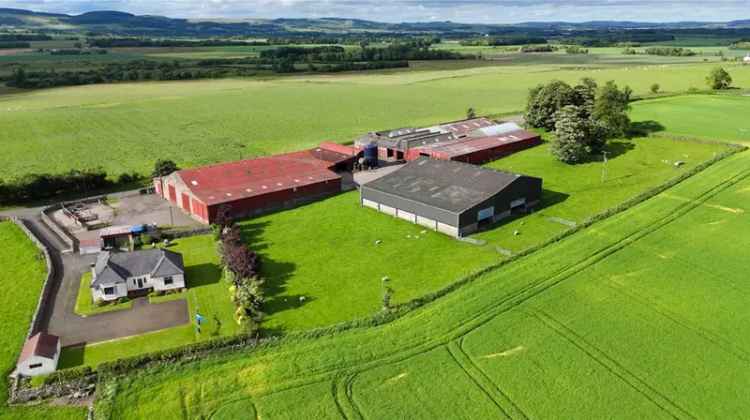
[{"x": 506, "y": 353}]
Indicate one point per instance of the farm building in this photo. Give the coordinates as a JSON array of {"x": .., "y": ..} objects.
[
  {"x": 476, "y": 140},
  {"x": 451, "y": 197},
  {"x": 39, "y": 355},
  {"x": 257, "y": 186}
]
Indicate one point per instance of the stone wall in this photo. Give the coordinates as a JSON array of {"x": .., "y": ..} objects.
[
  {"x": 45, "y": 298},
  {"x": 73, "y": 390},
  {"x": 51, "y": 223}
]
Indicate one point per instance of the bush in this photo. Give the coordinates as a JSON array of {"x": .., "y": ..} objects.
[{"x": 719, "y": 79}]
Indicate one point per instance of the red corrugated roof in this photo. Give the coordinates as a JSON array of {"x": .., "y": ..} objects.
[
  {"x": 41, "y": 344},
  {"x": 471, "y": 145},
  {"x": 231, "y": 181},
  {"x": 339, "y": 148}
]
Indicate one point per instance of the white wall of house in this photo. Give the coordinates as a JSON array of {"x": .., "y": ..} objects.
[
  {"x": 163, "y": 283},
  {"x": 122, "y": 289},
  {"x": 119, "y": 290},
  {"x": 36, "y": 365}
]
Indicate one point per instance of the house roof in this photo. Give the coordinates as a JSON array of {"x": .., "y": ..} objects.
[
  {"x": 117, "y": 267},
  {"x": 447, "y": 185},
  {"x": 41, "y": 345},
  {"x": 227, "y": 182}
]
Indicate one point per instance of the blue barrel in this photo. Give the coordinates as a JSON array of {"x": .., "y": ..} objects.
[{"x": 371, "y": 155}]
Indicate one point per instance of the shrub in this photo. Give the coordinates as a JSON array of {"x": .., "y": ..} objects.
[{"x": 719, "y": 79}]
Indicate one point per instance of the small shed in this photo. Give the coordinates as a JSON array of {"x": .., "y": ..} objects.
[{"x": 39, "y": 355}]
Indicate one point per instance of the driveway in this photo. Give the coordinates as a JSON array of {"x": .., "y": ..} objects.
[{"x": 60, "y": 319}]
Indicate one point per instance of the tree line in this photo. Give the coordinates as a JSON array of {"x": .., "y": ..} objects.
[
  {"x": 242, "y": 270},
  {"x": 35, "y": 187},
  {"x": 148, "y": 42}
]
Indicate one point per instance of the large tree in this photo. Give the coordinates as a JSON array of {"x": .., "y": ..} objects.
[
  {"x": 545, "y": 100},
  {"x": 719, "y": 79},
  {"x": 573, "y": 135},
  {"x": 610, "y": 113}
]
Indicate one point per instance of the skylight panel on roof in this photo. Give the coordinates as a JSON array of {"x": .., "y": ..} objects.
[{"x": 194, "y": 182}]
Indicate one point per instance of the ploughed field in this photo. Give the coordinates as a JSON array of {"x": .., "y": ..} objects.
[
  {"x": 22, "y": 274},
  {"x": 641, "y": 315},
  {"x": 125, "y": 127}
]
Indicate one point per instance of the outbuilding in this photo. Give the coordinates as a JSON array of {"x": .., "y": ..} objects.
[
  {"x": 39, "y": 355},
  {"x": 256, "y": 186},
  {"x": 451, "y": 197}
]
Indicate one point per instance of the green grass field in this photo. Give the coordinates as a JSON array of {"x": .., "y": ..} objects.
[
  {"x": 207, "y": 294},
  {"x": 22, "y": 276},
  {"x": 703, "y": 116},
  {"x": 642, "y": 315},
  {"x": 125, "y": 127},
  {"x": 319, "y": 255}
]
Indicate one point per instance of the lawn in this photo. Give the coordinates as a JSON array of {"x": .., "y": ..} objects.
[
  {"x": 703, "y": 116},
  {"x": 198, "y": 122},
  {"x": 207, "y": 294},
  {"x": 317, "y": 256},
  {"x": 22, "y": 276},
  {"x": 643, "y": 315},
  {"x": 85, "y": 305}
]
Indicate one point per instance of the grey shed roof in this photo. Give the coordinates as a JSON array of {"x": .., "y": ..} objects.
[
  {"x": 448, "y": 185},
  {"x": 496, "y": 130},
  {"x": 117, "y": 267}
]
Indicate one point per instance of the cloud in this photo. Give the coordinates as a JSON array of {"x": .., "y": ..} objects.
[{"x": 478, "y": 11}]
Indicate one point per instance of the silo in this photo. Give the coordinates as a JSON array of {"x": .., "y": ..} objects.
[{"x": 371, "y": 155}]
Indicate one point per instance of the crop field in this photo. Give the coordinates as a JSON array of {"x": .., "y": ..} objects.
[
  {"x": 642, "y": 315},
  {"x": 207, "y": 294},
  {"x": 125, "y": 127},
  {"x": 702, "y": 116},
  {"x": 21, "y": 276},
  {"x": 324, "y": 253}
]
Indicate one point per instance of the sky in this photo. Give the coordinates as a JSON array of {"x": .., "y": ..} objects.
[{"x": 469, "y": 11}]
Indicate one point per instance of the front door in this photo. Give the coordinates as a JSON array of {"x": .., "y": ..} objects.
[{"x": 140, "y": 283}]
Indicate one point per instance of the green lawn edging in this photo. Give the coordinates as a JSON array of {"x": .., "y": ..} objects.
[{"x": 85, "y": 305}]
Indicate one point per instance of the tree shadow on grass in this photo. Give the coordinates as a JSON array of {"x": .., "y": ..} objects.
[
  {"x": 275, "y": 273},
  {"x": 644, "y": 128}
]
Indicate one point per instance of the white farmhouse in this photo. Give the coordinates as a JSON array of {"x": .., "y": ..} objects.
[
  {"x": 747, "y": 59},
  {"x": 118, "y": 274},
  {"x": 39, "y": 355}
]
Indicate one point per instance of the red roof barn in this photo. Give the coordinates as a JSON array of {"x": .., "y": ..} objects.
[
  {"x": 256, "y": 186},
  {"x": 478, "y": 150}
]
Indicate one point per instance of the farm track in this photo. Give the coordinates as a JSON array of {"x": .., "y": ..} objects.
[
  {"x": 613, "y": 366},
  {"x": 484, "y": 382},
  {"x": 485, "y": 313}
]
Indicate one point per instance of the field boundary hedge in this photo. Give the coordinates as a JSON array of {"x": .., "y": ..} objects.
[{"x": 217, "y": 347}]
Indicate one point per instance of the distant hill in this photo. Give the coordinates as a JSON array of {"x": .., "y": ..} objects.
[{"x": 122, "y": 23}]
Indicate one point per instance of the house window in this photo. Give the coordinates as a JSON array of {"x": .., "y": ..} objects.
[
  {"x": 168, "y": 281},
  {"x": 35, "y": 366},
  {"x": 109, "y": 290}
]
